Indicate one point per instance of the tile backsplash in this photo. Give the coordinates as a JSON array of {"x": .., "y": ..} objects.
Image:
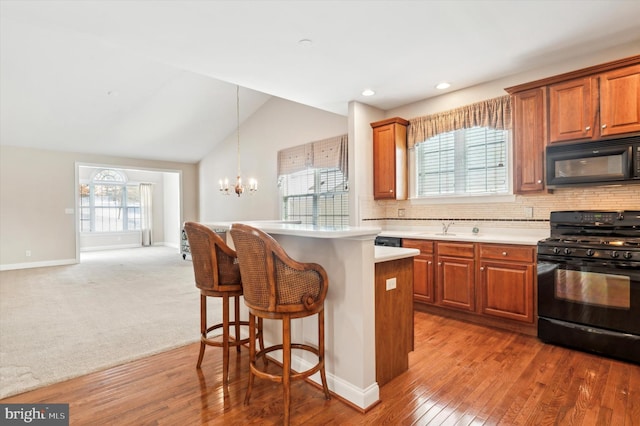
[{"x": 526, "y": 211}]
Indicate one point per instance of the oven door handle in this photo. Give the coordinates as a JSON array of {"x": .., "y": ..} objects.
[{"x": 574, "y": 261}]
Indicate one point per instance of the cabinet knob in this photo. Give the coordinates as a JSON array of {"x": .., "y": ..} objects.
[
  {"x": 482, "y": 268},
  {"x": 429, "y": 262},
  {"x": 604, "y": 126},
  {"x": 439, "y": 263},
  {"x": 391, "y": 190},
  {"x": 539, "y": 180},
  {"x": 586, "y": 129},
  {"x": 504, "y": 253}
]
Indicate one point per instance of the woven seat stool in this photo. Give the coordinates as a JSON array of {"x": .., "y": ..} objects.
[
  {"x": 278, "y": 287},
  {"x": 217, "y": 274}
]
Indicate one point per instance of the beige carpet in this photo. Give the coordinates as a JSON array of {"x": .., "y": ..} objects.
[{"x": 115, "y": 306}]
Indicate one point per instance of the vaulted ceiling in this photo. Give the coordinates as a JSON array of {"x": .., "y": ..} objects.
[{"x": 156, "y": 79}]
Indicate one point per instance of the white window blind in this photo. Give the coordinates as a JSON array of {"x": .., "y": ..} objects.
[
  {"x": 465, "y": 161},
  {"x": 313, "y": 180}
]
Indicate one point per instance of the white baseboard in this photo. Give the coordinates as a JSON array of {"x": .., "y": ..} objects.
[{"x": 27, "y": 265}]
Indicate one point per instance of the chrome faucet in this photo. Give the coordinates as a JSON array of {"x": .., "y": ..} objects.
[{"x": 445, "y": 227}]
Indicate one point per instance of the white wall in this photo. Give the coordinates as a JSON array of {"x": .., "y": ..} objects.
[
  {"x": 36, "y": 188},
  {"x": 278, "y": 124}
]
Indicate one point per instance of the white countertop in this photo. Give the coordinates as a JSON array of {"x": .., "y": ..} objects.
[
  {"x": 385, "y": 254},
  {"x": 499, "y": 236},
  {"x": 301, "y": 230}
]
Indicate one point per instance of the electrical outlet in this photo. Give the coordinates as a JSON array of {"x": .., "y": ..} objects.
[
  {"x": 528, "y": 212},
  {"x": 400, "y": 212},
  {"x": 28, "y": 253},
  {"x": 391, "y": 283}
]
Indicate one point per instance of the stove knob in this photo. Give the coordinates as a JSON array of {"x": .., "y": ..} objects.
[
  {"x": 556, "y": 250},
  {"x": 615, "y": 254},
  {"x": 567, "y": 250},
  {"x": 627, "y": 255},
  {"x": 590, "y": 252}
]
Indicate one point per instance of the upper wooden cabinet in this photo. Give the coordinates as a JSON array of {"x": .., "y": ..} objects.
[
  {"x": 620, "y": 101},
  {"x": 572, "y": 109},
  {"x": 594, "y": 107},
  {"x": 390, "y": 159},
  {"x": 529, "y": 130},
  {"x": 587, "y": 104}
]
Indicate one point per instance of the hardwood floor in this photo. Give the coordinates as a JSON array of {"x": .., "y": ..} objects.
[{"x": 459, "y": 374}]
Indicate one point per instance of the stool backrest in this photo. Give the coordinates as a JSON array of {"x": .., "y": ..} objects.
[
  {"x": 215, "y": 264},
  {"x": 272, "y": 281}
]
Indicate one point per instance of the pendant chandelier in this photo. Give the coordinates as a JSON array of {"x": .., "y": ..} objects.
[{"x": 239, "y": 187}]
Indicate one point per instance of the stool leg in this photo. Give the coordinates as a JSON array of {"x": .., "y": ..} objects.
[
  {"x": 323, "y": 376},
  {"x": 252, "y": 354},
  {"x": 225, "y": 343},
  {"x": 237, "y": 320},
  {"x": 203, "y": 328},
  {"x": 286, "y": 366}
]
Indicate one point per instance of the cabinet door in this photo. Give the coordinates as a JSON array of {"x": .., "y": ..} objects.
[
  {"x": 529, "y": 132},
  {"x": 572, "y": 109},
  {"x": 456, "y": 282},
  {"x": 423, "y": 277},
  {"x": 620, "y": 101},
  {"x": 384, "y": 162},
  {"x": 507, "y": 290}
]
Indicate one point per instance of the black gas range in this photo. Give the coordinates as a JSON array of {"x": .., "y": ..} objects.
[
  {"x": 589, "y": 282},
  {"x": 613, "y": 235}
]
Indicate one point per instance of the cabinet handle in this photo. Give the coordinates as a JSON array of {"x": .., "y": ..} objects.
[
  {"x": 439, "y": 263},
  {"x": 429, "y": 262},
  {"x": 482, "y": 268},
  {"x": 391, "y": 190},
  {"x": 604, "y": 126},
  {"x": 586, "y": 129},
  {"x": 539, "y": 180},
  {"x": 504, "y": 253}
]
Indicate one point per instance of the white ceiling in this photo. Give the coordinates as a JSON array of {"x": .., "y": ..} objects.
[{"x": 156, "y": 79}]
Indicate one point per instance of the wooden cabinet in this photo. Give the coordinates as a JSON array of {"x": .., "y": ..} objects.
[
  {"x": 594, "y": 107},
  {"x": 587, "y": 104},
  {"x": 455, "y": 275},
  {"x": 423, "y": 270},
  {"x": 572, "y": 109},
  {"x": 394, "y": 318},
  {"x": 529, "y": 135},
  {"x": 390, "y": 159},
  {"x": 507, "y": 277},
  {"x": 492, "y": 284},
  {"x": 620, "y": 101}
]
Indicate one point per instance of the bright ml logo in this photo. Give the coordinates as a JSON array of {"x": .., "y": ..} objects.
[{"x": 34, "y": 414}]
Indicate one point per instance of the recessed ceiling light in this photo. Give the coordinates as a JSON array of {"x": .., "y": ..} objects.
[
  {"x": 443, "y": 85},
  {"x": 305, "y": 42},
  {"x": 368, "y": 92}
]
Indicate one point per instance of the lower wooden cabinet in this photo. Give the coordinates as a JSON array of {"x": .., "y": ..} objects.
[
  {"x": 423, "y": 270},
  {"x": 484, "y": 281},
  {"x": 455, "y": 275},
  {"x": 507, "y": 281}
]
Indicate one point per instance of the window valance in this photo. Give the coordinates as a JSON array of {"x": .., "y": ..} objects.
[
  {"x": 326, "y": 153},
  {"x": 494, "y": 113}
]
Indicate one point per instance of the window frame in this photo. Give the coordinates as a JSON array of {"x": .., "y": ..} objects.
[
  {"x": 121, "y": 181},
  {"x": 470, "y": 197}
]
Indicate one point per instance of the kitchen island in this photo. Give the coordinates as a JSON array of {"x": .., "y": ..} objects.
[{"x": 348, "y": 255}]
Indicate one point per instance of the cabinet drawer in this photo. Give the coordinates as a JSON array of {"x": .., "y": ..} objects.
[
  {"x": 507, "y": 252},
  {"x": 456, "y": 249},
  {"x": 425, "y": 246}
]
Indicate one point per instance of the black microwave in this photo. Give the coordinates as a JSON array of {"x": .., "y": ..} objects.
[{"x": 614, "y": 161}]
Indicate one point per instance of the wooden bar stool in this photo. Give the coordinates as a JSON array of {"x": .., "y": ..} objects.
[
  {"x": 278, "y": 287},
  {"x": 217, "y": 274}
]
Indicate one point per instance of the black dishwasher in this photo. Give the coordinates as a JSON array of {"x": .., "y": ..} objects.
[{"x": 388, "y": 241}]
